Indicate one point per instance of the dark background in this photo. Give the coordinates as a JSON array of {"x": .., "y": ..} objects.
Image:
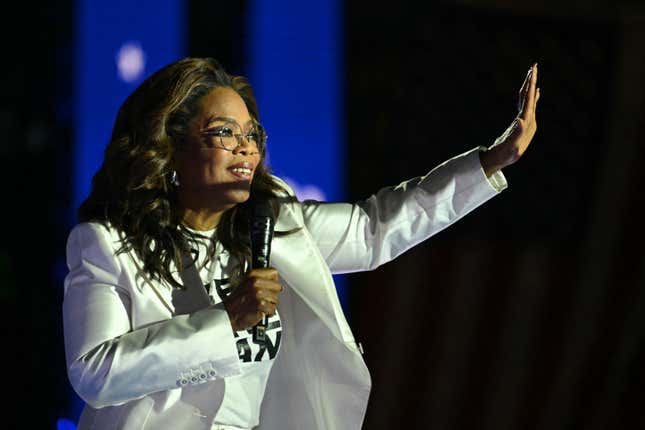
[{"x": 527, "y": 314}]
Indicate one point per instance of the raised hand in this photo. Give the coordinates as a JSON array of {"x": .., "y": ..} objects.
[{"x": 509, "y": 147}]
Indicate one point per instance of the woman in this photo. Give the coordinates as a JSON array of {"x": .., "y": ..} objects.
[{"x": 160, "y": 304}]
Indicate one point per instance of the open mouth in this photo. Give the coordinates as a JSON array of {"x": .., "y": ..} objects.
[{"x": 241, "y": 172}]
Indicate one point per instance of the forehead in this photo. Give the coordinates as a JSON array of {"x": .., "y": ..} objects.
[{"x": 224, "y": 102}]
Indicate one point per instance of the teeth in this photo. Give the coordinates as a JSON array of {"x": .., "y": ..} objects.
[{"x": 242, "y": 170}]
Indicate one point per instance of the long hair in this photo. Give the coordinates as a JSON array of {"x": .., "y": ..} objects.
[{"x": 132, "y": 190}]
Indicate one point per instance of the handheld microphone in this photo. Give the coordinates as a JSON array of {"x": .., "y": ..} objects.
[{"x": 261, "y": 223}]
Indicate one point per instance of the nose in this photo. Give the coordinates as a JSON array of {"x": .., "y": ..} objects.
[{"x": 245, "y": 146}]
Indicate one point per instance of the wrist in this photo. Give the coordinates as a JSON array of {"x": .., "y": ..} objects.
[
  {"x": 489, "y": 162},
  {"x": 496, "y": 158}
]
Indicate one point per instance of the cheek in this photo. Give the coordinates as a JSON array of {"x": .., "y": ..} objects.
[
  {"x": 212, "y": 170},
  {"x": 216, "y": 160},
  {"x": 195, "y": 167}
]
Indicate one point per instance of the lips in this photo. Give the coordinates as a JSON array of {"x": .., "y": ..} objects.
[{"x": 241, "y": 170}]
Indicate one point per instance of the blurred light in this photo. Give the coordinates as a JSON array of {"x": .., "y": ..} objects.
[
  {"x": 130, "y": 61},
  {"x": 109, "y": 62},
  {"x": 305, "y": 192},
  {"x": 65, "y": 424},
  {"x": 118, "y": 44},
  {"x": 295, "y": 64}
]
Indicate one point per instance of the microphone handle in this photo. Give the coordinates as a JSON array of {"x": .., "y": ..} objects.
[{"x": 261, "y": 234}]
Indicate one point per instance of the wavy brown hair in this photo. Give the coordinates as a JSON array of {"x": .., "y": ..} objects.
[{"x": 132, "y": 189}]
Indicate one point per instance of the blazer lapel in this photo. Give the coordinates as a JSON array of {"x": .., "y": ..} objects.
[
  {"x": 193, "y": 296},
  {"x": 300, "y": 264},
  {"x": 178, "y": 301}
]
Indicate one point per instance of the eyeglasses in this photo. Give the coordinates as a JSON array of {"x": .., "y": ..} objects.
[{"x": 225, "y": 136}]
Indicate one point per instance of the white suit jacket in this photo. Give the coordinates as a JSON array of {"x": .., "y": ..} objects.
[{"x": 145, "y": 356}]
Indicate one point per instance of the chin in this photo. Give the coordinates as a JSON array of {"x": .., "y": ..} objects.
[{"x": 238, "y": 197}]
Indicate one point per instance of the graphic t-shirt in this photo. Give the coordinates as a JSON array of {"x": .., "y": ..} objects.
[{"x": 244, "y": 392}]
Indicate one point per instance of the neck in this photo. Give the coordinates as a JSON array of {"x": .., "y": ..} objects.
[{"x": 201, "y": 219}]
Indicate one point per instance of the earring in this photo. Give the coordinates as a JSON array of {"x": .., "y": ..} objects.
[{"x": 173, "y": 178}]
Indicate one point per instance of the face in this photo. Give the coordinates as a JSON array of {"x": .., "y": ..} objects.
[{"x": 208, "y": 173}]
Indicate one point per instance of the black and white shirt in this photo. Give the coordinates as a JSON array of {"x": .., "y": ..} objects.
[{"x": 244, "y": 392}]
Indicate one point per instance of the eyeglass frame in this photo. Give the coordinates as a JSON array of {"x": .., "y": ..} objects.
[{"x": 261, "y": 145}]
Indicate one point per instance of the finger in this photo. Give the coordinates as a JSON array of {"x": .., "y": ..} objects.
[
  {"x": 522, "y": 93},
  {"x": 266, "y": 307},
  {"x": 529, "y": 105},
  {"x": 266, "y": 273},
  {"x": 267, "y": 284},
  {"x": 267, "y": 295},
  {"x": 537, "y": 97}
]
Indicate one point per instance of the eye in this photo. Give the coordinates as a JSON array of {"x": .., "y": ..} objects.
[
  {"x": 254, "y": 136},
  {"x": 220, "y": 131}
]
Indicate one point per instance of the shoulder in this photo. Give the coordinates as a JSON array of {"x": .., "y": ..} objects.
[
  {"x": 92, "y": 248},
  {"x": 285, "y": 195},
  {"x": 286, "y": 191},
  {"x": 290, "y": 216},
  {"x": 93, "y": 239},
  {"x": 94, "y": 231}
]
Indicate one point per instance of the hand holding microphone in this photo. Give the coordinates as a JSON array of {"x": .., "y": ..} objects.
[
  {"x": 257, "y": 295},
  {"x": 254, "y": 299}
]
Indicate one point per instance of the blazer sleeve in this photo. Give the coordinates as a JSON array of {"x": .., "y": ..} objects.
[
  {"x": 109, "y": 362},
  {"x": 367, "y": 234}
]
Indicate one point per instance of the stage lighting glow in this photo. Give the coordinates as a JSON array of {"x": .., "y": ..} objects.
[
  {"x": 295, "y": 63},
  {"x": 130, "y": 61},
  {"x": 306, "y": 191},
  {"x": 65, "y": 424},
  {"x": 118, "y": 43}
]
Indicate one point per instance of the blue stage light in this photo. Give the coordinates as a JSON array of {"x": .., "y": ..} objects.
[
  {"x": 65, "y": 424},
  {"x": 295, "y": 63},
  {"x": 118, "y": 44}
]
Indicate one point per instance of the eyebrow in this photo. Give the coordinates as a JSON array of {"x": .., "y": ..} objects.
[{"x": 225, "y": 119}]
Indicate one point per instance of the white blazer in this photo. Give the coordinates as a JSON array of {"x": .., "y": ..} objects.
[{"x": 145, "y": 356}]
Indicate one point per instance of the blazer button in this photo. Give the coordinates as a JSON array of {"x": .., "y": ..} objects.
[
  {"x": 212, "y": 373},
  {"x": 194, "y": 379},
  {"x": 183, "y": 382}
]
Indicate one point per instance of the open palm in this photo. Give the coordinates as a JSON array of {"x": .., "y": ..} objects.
[{"x": 510, "y": 146}]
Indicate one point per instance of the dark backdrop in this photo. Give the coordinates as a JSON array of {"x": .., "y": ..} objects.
[
  {"x": 34, "y": 172},
  {"x": 529, "y": 313}
]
